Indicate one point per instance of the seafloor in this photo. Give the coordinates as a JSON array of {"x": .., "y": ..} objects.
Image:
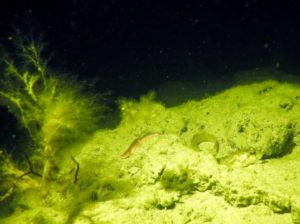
[{"x": 230, "y": 157}]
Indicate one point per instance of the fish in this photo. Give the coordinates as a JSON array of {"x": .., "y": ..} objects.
[{"x": 135, "y": 144}]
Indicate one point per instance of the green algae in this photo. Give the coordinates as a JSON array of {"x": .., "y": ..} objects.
[{"x": 253, "y": 177}]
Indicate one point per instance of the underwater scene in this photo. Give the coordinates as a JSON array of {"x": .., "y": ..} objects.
[{"x": 133, "y": 112}]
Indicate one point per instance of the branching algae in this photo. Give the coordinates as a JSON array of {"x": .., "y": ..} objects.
[{"x": 51, "y": 108}]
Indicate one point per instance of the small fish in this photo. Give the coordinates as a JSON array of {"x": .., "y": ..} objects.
[{"x": 135, "y": 144}]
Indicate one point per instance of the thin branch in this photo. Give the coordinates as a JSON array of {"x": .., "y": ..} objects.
[
  {"x": 77, "y": 169},
  {"x": 13, "y": 188},
  {"x": 30, "y": 171}
]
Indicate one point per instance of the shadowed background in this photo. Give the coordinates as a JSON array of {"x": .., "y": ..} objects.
[{"x": 131, "y": 47}]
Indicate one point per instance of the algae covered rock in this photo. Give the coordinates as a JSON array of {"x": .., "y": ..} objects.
[
  {"x": 229, "y": 158},
  {"x": 162, "y": 199},
  {"x": 296, "y": 211},
  {"x": 179, "y": 178},
  {"x": 255, "y": 121},
  {"x": 257, "y": 136}
]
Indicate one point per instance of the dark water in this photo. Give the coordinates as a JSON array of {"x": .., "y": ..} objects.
[{"x": 131, "y": 47}]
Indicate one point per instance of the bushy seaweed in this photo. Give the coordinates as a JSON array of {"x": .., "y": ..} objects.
[{"x": 52, "y": 108}]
